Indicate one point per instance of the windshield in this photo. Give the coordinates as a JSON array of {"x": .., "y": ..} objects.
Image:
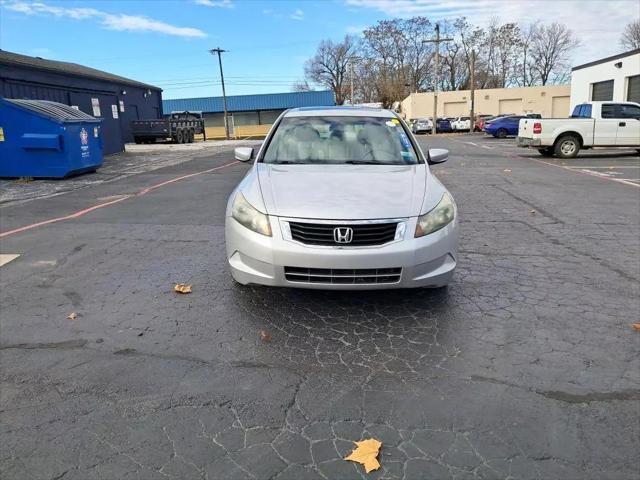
[{"x": 340, "y": 140}]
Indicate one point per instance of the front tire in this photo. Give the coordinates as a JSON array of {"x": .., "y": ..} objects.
[{"x": 567, "y": 146}]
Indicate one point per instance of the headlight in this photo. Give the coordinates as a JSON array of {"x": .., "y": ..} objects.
[
  {"x": 440, "y": 216},
  {"x": 248, "y": 216}
]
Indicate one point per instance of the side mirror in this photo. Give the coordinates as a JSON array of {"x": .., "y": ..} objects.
[
  {"x": 438, "y": 155},
  {"x": 244, "y": 154}
]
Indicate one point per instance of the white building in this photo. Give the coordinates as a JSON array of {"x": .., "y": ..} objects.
[{"x": 614, "y": 79}]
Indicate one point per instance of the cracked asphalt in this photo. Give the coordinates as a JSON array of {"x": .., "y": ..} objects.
[{"x": 526, "y": 367}]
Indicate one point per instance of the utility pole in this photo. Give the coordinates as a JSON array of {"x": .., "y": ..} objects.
[
  {"x": 436, "y": 76},
  {"x": 351, "y": 59},
  {"x": 351, "y": 78},
  {"x": 219, "y": 51},
  {"x": 472, "y": 80}
]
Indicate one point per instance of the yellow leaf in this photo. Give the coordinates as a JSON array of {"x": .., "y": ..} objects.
[
  {"x": 366, "y": 454},
  {"x": 72, "y": 316},
  {"x": 182, "y": 288},
  {"x": 265, "y": 336},
  {"x": 636, "y": 326}
]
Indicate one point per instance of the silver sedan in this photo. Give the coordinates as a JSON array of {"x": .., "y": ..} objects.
[{"x": 341, "y": 198}]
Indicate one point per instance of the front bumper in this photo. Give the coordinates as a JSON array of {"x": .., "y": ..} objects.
[
  {"x": 428, "y": 261},
  {"x": 528, "y": 142}
]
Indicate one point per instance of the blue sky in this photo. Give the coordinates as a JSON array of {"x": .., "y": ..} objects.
[{"x": 166, "y": 42}]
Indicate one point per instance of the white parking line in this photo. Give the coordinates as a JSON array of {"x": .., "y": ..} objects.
[
  {"x": 624, "y": 181},
  {"x": 7, "y": 257},
  {"x": 612, "y": 167}
]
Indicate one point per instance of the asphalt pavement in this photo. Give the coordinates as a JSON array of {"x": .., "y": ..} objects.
[{"x": 526, "y": 366}]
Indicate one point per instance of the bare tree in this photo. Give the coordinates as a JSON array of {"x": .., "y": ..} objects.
[
  {"x": 507, "y": 50},
  {"x": 400, "y": 61},
  {"x": 525, "y": 76},
  {"x": 551, "y": 46},
  {"x": 329, "y": 66},
  {"x": 301, "y": 86},
  {"x": 630, "y": 38}
]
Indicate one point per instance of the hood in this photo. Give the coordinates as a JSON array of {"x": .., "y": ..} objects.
[{"x": 343, "y": 192}]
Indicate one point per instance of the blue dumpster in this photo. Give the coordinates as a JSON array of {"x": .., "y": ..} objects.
[{"x": 39, "y": 138}]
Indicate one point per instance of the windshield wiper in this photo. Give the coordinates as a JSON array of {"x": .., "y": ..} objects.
[{"x": 365, "y": 162}]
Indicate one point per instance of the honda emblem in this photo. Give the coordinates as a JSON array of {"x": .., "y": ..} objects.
[{"x": 342, "y": 234}]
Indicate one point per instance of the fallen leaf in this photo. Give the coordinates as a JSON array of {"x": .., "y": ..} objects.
[
  {"x": 72, "y": 316},
  {"x": 532, "y": 212},
  {"x": 366, "y": 454},
  {"x": 636, "y": 326},
  {"x": 140, "y": 334},
  {"x": 182, "y": 288},
  {"x": 612, "y": 168},
  {"x": 265, "y": 336},
  {"x": 507, "y": 170}
]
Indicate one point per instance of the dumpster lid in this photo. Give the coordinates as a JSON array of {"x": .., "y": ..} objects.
[{"x": 54, "y": 110}]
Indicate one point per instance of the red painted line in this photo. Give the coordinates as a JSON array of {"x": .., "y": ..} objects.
[
  {"x": 177, "y": 179},
  {"x": 80, "y": 213}
]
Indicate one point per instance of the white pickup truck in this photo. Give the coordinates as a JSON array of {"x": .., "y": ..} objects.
[{"x": 593, "y": 124}]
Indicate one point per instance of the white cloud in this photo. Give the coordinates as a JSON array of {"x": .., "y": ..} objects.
[
  {"x": 297, "y": 15},
  {"x": 135, "y": 23},
  {"x": 120, "y": 22},
  {"x": 215, "y": 3},
  {"x": 596, "y": 23}
]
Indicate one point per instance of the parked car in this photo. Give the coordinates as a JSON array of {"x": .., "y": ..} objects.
[
  {"x": 502, "y": 127},
  {"x": 593, "y": 124},
  {"x": 341, "y": 198},
  {"x": 422, "y": 125},
  {"x": 480, "y": 121},
  {"x": 443, "y": 126},
  {"x": 461, "y": 124}
]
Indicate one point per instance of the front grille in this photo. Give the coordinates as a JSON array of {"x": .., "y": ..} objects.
[
  {"x": 364, "y": 234},
  {"x": 343, "y": 276}
]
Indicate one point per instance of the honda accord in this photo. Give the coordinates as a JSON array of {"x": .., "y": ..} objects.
[{"x": 341, "y": 198}]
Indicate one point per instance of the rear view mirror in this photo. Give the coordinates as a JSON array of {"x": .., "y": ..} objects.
[
  {"x": 244, "y": 154},
  {"x": 438, "y": 155}
]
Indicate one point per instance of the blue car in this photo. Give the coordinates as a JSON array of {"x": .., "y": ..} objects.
[
  {"x": 443, "y": 126},
  {"x": 502, "y": 127}
]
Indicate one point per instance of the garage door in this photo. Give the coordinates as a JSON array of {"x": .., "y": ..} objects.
[
  {"x": 455, "y": 109},
  {"x": 633, "y": 89},
  {"x": 511, "y": 105},
  {"x": 602, "y": 91},
  {"x": 560, "y": 107}
]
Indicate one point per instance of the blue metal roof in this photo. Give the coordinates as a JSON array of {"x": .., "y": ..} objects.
[{"x": 241, "y": 103}]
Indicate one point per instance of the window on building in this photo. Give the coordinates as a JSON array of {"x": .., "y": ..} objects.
[
  {"x": 214, "y": 120},
  {"x": 245, "y": 118},
  {"x": 602, "y": 91},
  {"x": 633, "y": 89},
  {"x": 267, "y": 117}
]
